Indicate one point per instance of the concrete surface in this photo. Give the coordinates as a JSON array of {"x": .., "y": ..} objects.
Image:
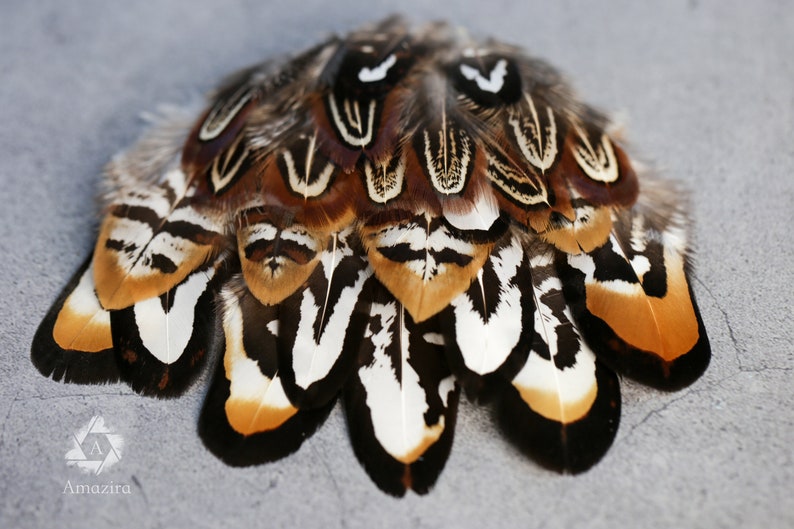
[{"x": 707, "y": 89}]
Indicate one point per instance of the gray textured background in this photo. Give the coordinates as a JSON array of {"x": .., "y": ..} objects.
[{"x": 707, "y": 89}]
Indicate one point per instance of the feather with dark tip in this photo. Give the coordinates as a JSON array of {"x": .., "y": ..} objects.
[
  {"x": 74, "y": 342},
  {"x": 633, "y": 299},
  {"x": 564, "y": 405},
  {"x": 247, "y": 418},
  {"x": 401, "y": 400},
  {"x": 489, "y": 328},
  {"x": 321, "y": 325},
  {"x": 162, "y": 343}
]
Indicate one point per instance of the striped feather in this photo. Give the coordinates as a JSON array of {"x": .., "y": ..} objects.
[
  {"x": 447, "y": 154},
  {"x": 478, "y": 216},
  {"x": 587, "y": 229},
  {"x": 633, "y": 299},
  {"x": 150, "y": 241},
  {"x": 538, "y": 134},
  {"x": 422, "y": 263},
  {"x": 489, "y": 327},
  {"x": 321, "y": 325},
  {"x": 384, "y": 181},
  {"x": 277, "y": 255},
  {"x": 247, "y": 418},
  {"x": 564, "y": 406},
  {"x": 401, "y": 400},
  {"x": 162, "y": 343},
  {"x": 357, "y": 111},
  {"x": 596, "y": 167},
  {"x": 302, "y": 179},
  {"x": 222, "y": 122}
]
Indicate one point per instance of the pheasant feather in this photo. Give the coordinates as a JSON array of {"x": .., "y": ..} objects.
[{"x": 391, "y": 218}]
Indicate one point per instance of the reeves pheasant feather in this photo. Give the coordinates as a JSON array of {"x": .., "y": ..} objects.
[{"x": 390, "y": 219}]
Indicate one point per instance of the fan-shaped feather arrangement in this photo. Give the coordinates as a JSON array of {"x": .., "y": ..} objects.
[{"x": 390, "y": 217}]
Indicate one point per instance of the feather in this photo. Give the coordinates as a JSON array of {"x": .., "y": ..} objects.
[
  {"x": 240, "y": 103},
  {"x": 277, "y": 255},
  {"x": 150, "y": 241},
  {"x": 489, "y": 327},
  {"x": 588, "y": 229},
  {"x": 357, "y": 111},
  {"x": 596, "y": 167},
  {"x": 422, "y": 263},
  {"x": 480, "y": 215},
  {"x": 74, "y": 342},
  {"x": 564, "y": 406},
  {"x": 524, "y": 166},
  {"x": 321, "y": 325},
  {"x": 157, "y": 345},
  {"x": 401, "y": 401},
  {"x": 489, "y": 80},
  {"x": 536, "y": 133},
  {"x": 447, "y": 154},
  {"x": 221, "y": 123},
  {"x": 161, "y": 343},
  {"x": 384, "y": 181},
  {"x": 633, "y": 300},
  {"x": 247, "y": 418},
  {"x": 303, "y": 180},
  {"x": 519, "y": 189}
]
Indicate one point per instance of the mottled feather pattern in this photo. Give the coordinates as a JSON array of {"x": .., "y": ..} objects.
[{"x": 392, "y": 218}]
